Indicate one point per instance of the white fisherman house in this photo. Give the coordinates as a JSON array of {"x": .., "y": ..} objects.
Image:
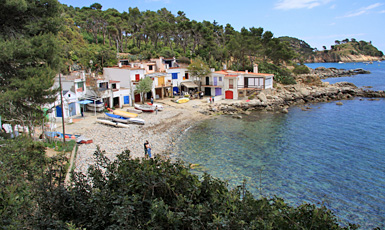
[{"x": 73, "y": 89}]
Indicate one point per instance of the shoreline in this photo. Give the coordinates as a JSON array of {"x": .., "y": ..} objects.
[{"x": 162, "y": 130}]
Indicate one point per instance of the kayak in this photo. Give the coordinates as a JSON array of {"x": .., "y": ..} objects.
[
  {"x": 125, "y": 114},
  {"x": 182, "y": 100}
]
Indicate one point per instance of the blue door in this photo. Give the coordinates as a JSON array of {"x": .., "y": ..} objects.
[
  {"x": 58, "y": 111},
  {"x": 126, "y": 100},
  {"x": 218, "y": 91},
  {"x": 72, "y": 108},
  {"x": 175, "y": 89}
]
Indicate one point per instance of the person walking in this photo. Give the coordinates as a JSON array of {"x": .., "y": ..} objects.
[
  {"x": 148, "y": 149},
  {"x": 152, "y": 100},
  {"x": 156, "y": 110}
]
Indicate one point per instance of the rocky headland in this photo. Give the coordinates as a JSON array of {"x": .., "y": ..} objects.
[
  {"x": 309, "y": 89},
  {"x": 332, "y": 57},
  {"x": 323, "y": 72}
]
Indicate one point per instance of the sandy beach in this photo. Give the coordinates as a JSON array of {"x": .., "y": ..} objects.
[{"x": 161, "y": 130}]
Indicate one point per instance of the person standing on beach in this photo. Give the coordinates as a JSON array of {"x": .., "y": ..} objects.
[
  {"x": 145, "y": 149},
  {"x": 148, "y": 147}
]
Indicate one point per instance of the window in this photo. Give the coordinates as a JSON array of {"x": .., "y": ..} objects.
[
  {"x": 137, "y": 77},
  {"x": 231, "y": 84},
  {"x": 186, "y": 76},
  {"x": 220, "y": 78},
  {"x": 80, "y": 87},
  {"x": 150, "y": 67},
  {"x": 174, "y": 76}
]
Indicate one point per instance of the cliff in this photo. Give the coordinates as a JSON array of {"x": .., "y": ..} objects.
[
  {"x": 343, "y": 51},
  {"x": 321, "y": 56}
]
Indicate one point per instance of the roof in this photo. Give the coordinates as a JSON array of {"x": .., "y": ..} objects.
[
  {"x": 256, "y": 74},
  {"x": 230, "y": 73},
  {"x": 156, "y": 74},
  {"x": 189, "y": 84}
]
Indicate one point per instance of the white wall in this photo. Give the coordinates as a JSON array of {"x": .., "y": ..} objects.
[
  {"x": 269, "y": 82},
  {"x": 116, "y": 74}
]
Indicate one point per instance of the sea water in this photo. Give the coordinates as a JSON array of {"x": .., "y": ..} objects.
[{"x": 328, "y": 154}]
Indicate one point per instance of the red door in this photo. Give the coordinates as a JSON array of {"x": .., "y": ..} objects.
[
  {"x": 137, "y": 77},
  {"x": 229, "y": 94},
  {"x": 137, "y": 98}
]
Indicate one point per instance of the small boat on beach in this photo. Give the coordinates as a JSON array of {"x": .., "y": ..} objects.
[
  {"x": 160, "y": 107},
  {"x": 112, "y": 123},
  {"x": 145, "y": 107},
  {"x": 121, "y": 119},
  {"x": 182, "y": 100},
  {"x": 125, "y": 114},
  {"x": 133, "y": 110},
  {"x": 98, "y": 106}
]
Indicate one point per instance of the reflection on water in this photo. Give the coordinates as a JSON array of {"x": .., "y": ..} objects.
[{"x": 331, "y": 154}]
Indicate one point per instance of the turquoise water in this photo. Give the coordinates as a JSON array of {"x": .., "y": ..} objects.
[{"x": 329, "y": 154}]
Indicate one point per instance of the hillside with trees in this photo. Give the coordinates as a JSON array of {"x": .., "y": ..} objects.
[
  {"x": 345, "y": 50},
  {"x": 92, "y": 33}
]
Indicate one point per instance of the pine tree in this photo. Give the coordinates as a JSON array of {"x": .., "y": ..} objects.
[{"x": 29, "y": 58}]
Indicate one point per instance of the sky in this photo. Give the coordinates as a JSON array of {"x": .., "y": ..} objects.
[{"x": 317, "y": 22}]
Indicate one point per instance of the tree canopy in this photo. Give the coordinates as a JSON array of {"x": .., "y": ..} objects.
[
  {"x": 29, "y": 59},
  {"x": 161, "y": 33},
  {"x": 144, "y": 86}
]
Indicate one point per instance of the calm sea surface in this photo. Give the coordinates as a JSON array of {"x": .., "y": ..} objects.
[{"x": 329, "y": 154}]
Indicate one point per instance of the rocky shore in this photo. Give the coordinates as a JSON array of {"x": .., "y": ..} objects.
[
  {"x": 324, "y": 73},
  {"x": 281, "y": 98}
]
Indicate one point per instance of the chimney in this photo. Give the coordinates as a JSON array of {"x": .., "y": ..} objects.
[
  {"x": 246, "y": 71},
  {"x": 224, "y": 67},
  {"x": 141, "y": 66},
  {"x": 212, "y": 70},
  {"x": 255, "y": 69},
  {"x": 167, "y": 66}
]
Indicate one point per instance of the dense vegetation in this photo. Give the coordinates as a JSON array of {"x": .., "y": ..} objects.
[
  {"x": 29, "y": 59},
  {"x": 133, "y": 194},
  {"x": 149, "y": 34},
  {"x": 353, "y": 47},
  {"x": 340, "y": 49}
]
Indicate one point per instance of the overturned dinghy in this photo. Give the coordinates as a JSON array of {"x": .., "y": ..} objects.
[
  {"x": 125, "y": 120},
  {"x": 98, "y": 106},
  {"x": 112, "y": 123},
  {"x": 145, "y": 107}
]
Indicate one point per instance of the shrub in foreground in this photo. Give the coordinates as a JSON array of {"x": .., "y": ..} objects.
[{"x": 156, "y": 194}]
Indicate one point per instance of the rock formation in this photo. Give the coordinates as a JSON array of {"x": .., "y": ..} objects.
[{"x": 281, "y": 98}]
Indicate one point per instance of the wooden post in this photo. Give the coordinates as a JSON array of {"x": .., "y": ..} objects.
[{"x": 62, "y": 110}]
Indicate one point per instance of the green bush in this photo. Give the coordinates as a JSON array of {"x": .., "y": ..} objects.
[
  {"x": 156, "y": 194},
  {"x": 301, "y": 69},
  {"x": 281, "y": 74},
  {"x": 59, "y": 146}
]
